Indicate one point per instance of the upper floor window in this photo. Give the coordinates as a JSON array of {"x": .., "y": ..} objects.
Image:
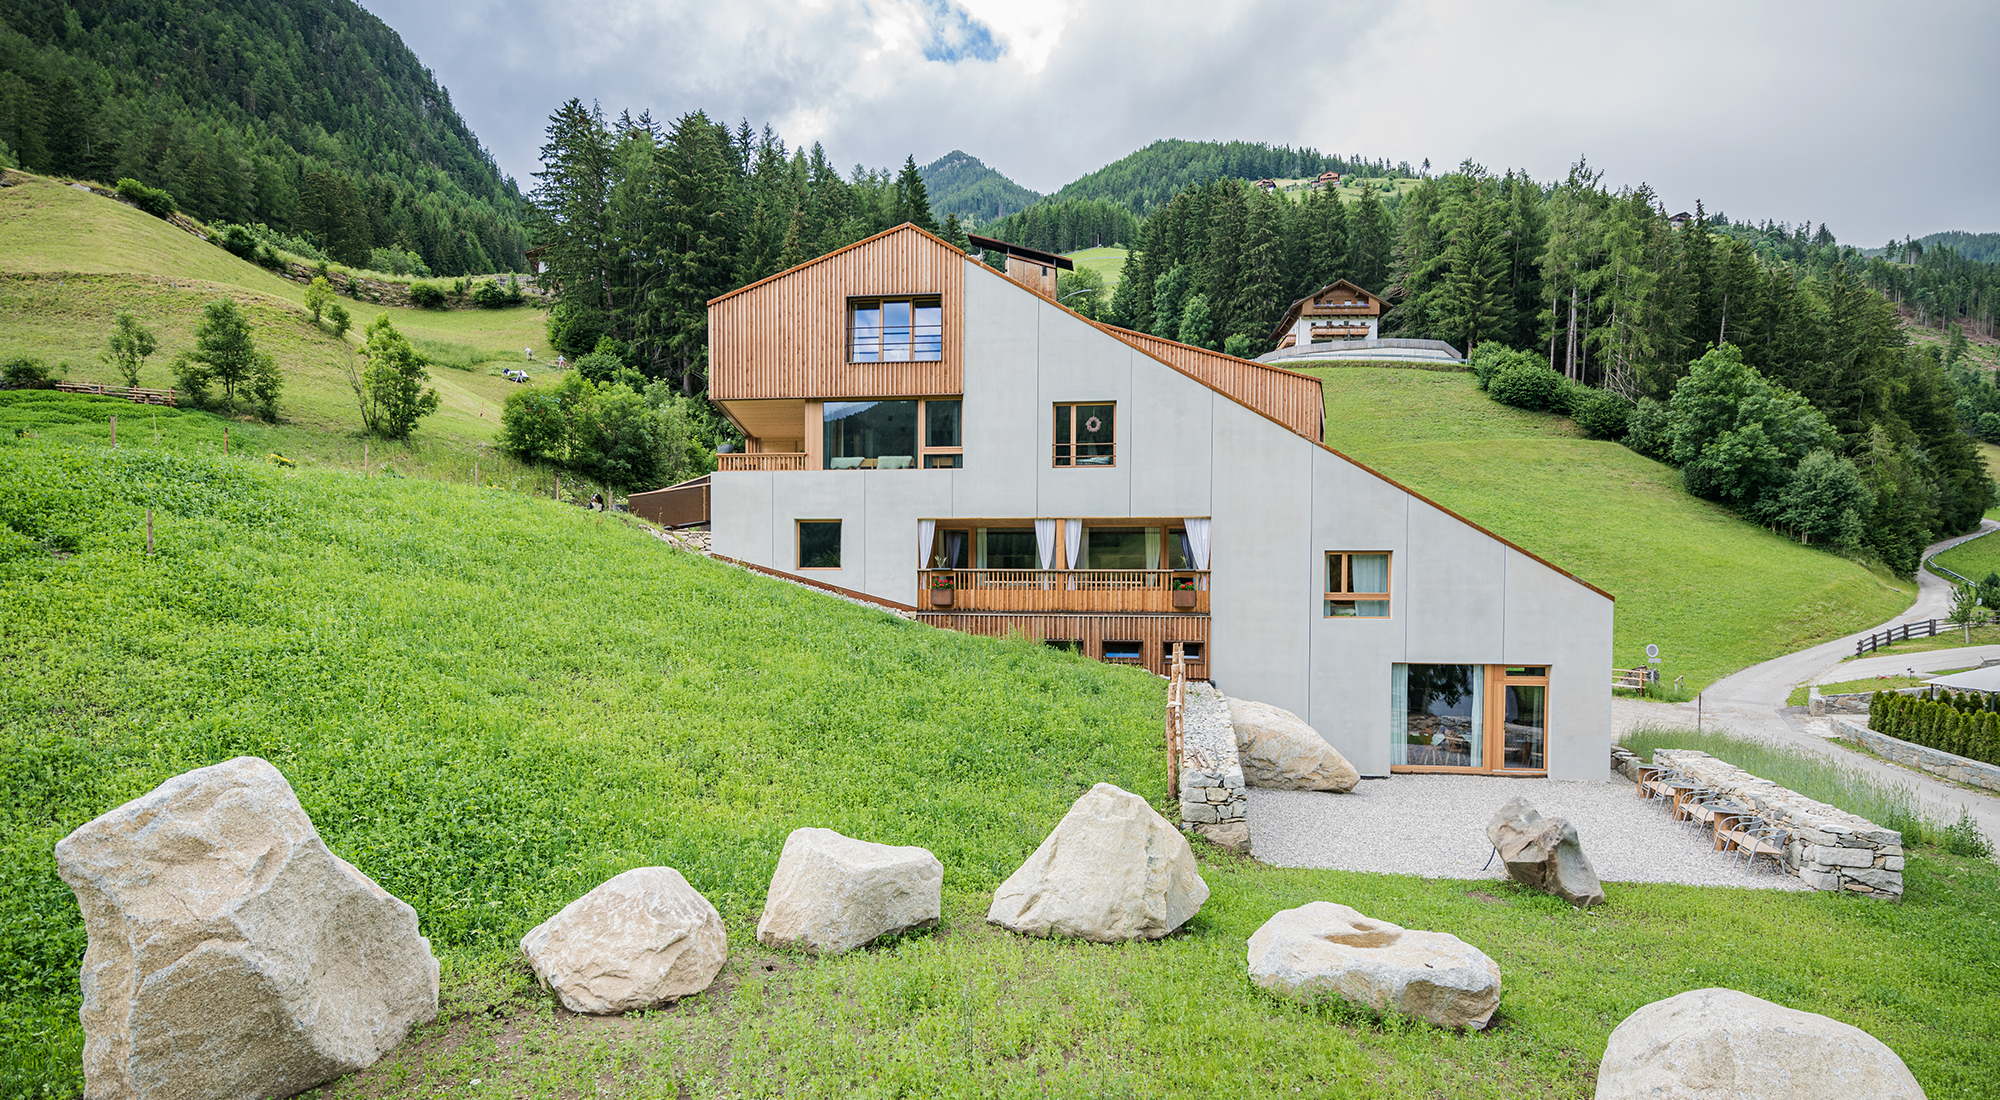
[
  {"x": 1086, "y": 435},
  {"x": 893, "y": 435},
  {"x": 1357, "y": 585},
  {"x": 895, "y": 330}
]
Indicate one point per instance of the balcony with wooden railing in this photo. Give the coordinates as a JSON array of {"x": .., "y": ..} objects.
[
  {"x": 1081, "y": 591},
  {"x": 764, "y": 460}
]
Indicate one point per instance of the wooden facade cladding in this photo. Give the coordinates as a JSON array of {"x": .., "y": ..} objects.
[
  {"x": 1288, "y": 397},
  {"x": 1156, "y": 634},
  {"x": 786, "y": 336}
]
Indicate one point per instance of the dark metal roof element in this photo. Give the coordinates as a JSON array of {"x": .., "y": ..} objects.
[{"x": 1035, "y": 254}]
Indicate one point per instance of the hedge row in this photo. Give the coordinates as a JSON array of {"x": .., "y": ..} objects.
[{"x": 1953, "y": 722}]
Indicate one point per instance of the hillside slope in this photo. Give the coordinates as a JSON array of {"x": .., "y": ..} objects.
[
  {"x": 490, "y": 704},
  {"x": 1714, "y": 592},
  {"x": 70, "y": 260},
  {"x": 311, "y": 117},
  {"x": 960, "y": 183},
  {"x": 1143, "y": 180}
]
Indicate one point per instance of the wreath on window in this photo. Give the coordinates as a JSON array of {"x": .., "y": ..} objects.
[{"x": 1093, "y": 425}]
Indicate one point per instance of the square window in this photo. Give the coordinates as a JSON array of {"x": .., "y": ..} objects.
[
  {"x": 1086, "y": 435},
  {"x": 895, "y": 330},
  {"x": 1357, "y": 586},
  {"x": 819, "y": 544}
]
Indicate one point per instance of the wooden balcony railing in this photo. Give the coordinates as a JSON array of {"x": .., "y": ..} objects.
[
  {"x": 768, "y": 460},
  {"x": 1058, "y": 590}
]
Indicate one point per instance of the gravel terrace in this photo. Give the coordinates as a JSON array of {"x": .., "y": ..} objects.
[{"x": 1435, "y": 826}]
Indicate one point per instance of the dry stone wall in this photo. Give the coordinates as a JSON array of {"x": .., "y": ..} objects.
[
  {"x": 1944, "y": 765},
  {"x": 1830, "y": 849},
  {"x": 1213, "y": 802}
]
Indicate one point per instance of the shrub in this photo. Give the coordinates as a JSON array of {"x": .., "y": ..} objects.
[
  {"x": 1527, "y": 384},
  {"x": 1488, "y": 358},
  {"x": 25, "y": 372},
  {"x": 599, "y": 366},
  {"x": 575, "y": 328},
  {"x": 1600, "y": 413},
  {"x": 238, "y": 242},
  {"x": 1646, "y": 428},
  {"x": 491, "y": 295},
  {"x": 152, "y": 200},
  {"x": 426, "y": 296}
]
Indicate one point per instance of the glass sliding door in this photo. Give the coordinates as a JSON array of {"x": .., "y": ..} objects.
[
  {"x": 1437, "y": 716},
  {"x": 1478, "y": 718}
]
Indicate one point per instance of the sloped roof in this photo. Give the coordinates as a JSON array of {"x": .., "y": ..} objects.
[{"x": 1292, "y": 313}]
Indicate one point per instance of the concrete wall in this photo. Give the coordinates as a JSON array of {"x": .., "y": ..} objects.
[{"x": 1278, "y": 504}]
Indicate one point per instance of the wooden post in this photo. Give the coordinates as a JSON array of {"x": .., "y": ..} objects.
[
  {"x": 558, "y": 487},
  {"x": 475, "y": 473},
  {"x": 225, "y": 441},
  {"x": 149, "y": 532},
  {"x": 364, "y": 458},
  {"x": 114, "y": 431},
  {"x": 156, "y": 427}
]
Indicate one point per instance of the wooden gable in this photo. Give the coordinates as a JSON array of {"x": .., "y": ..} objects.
[
  {"x": 1288, "y": 397},
  {"x": 786, "y": 336}
]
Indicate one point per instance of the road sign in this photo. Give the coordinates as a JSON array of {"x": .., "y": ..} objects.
[{"x": 1652, "y": 652}]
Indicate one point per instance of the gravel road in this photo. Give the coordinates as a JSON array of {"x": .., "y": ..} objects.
[{"x": 1435, "y": 826}]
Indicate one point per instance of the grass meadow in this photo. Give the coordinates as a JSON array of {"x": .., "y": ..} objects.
[
  {"x": 1716, "y": 594},
  {"x": 490, "y": 704},
  {"x": 1108, "y": 262},
  {"x": 1975, "y": 558}
]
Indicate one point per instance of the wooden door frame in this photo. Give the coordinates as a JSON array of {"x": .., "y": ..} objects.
[{"x": 1493, "y": 731}]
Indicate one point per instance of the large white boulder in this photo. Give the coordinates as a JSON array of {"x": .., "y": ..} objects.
[
  {"x": 231, "y": 954},
  {"x": 1544, "y": 853},
  {"x": 643, "y": 938},
  {"x": 833, "y": 893},
  {"x": 1711, "y": 1044},
  {"x": 1280, "y": 751},
  {"x": 1112, "y": 870},
  {"x": 1323, "y": 948}
]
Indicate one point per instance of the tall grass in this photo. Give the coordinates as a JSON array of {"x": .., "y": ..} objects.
[{"x": 1888, "y": 804}]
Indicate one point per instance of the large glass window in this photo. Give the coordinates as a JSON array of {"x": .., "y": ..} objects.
[
  {"x": 1118, "y": 547},
  {"x": 895, "y": 330},
  {"x": 819, "y": 544},
  {"x": 871, "y": 435},
  {"x": 1357, "y": 586},
  {"x": 1086, "y": 435},
  {"x": 1008, "y": 548},
  {"x": 1436, "y": 716}
]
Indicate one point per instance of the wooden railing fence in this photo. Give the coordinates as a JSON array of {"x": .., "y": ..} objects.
[
  {"x": 130, "y": 393},
  {"x": 1176, "y": 709},
  {"x": 762, "y": 460}
]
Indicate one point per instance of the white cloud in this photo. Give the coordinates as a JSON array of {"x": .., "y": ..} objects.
[{"x": 1832, "y": 111}]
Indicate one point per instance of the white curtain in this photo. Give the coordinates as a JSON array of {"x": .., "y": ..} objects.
[
  {"x": 1045, "y": 542},
  {"x": 1399, "y": 712},
  {"x": 1197, "y": 535},
  {"x": 926, "y": 533},
  {"x": 1072, "y": 540},
  {"x": 1152, "y": 548}
]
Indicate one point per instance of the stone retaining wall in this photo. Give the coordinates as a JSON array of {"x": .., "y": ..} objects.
[
  {"x": 1849, "y": 702},
  {"x": 1213, "y": 801},
  {"x": 1830, "y": 849},
  {"x": 1942, "y": 764}
]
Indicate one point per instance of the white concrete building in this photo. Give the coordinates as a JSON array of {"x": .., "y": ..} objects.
[{"x": 931, "y": 433}]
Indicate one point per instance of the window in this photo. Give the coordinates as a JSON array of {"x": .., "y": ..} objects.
[
  {"x": 895, "y": 330},
  {"x": 1123, "y": 651},
  {"x": 1007, "y": 548},
  {"x": 944, "y": 435},
  {"x": 1357, "y": 586},
  {"x": 870, "y": 435},
  {"x": 1190, "y": 652},
  {"x": 1119, "y": 547},
  {"x": 819, "y": 544},
  {"x": 1085, "y": 435},
  {"x": 1440, "y": 717},
  {"x": 892, "y": 435}
]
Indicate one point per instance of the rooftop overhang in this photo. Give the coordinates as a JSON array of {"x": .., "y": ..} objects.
[{"x": 991, "y": 244}]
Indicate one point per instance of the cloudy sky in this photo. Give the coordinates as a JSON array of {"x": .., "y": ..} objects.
[{"x": 1875, "y": 118}]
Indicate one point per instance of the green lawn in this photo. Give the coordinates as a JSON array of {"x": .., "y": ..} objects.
[
  {"x": 1975, "y": 558},
  {"x": 1715, "y": 593},
  {"x": 70, "y": 260},
  {"x": 490, "y": 703},
  {"x": 1108, "y": 262}
]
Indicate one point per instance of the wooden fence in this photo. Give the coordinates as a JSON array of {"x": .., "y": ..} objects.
[
  {"x": 1926, "y": 629},
  {"x": 683, "y": 505},
  {"x": 1176, "y": 708},
  {"x": 130, "y": 393}
]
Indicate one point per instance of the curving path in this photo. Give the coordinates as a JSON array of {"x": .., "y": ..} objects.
[{"x": 1752, "y": 703}]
